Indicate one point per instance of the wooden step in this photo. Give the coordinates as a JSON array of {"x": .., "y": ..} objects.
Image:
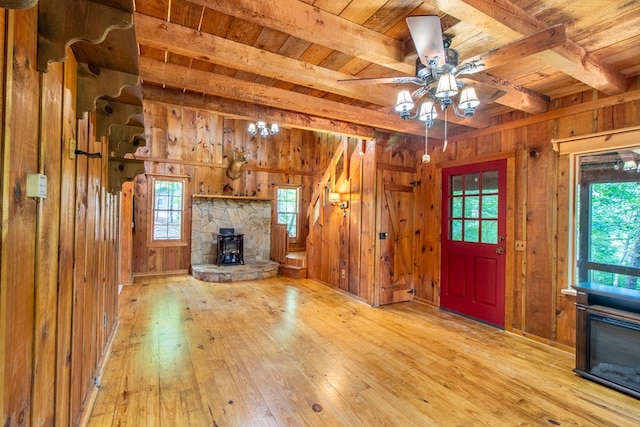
[
  {"x": 297, "y": 259},
  {"x": 293, "y": 271}
]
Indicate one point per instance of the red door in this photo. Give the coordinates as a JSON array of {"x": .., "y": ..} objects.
[{"x": 473, "y": 240}]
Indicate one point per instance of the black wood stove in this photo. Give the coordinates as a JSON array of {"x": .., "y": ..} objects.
[{"x": 230, "y": 247}]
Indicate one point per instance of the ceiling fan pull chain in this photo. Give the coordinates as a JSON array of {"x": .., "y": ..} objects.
[
  {"x": 444, "y": 147},
  {"x": 425, "y": 157}
]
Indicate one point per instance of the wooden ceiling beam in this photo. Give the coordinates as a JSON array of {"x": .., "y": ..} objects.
[
  {"x": 206, "y": 47},
  {"x": 505, "y": 21},
  {"x": 243, "y": 110},
  {"x": 191, "y": 43},
  {"x": 228, "y": 87},
  {"x": 317, "y": 26}
]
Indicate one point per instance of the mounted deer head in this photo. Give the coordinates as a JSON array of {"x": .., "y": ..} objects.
[{"x": 236, "y": 161}]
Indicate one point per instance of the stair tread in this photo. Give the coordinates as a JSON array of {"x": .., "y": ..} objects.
[
  {"x": 293, "y": 267},
  {"x": 298, "y": 259}
]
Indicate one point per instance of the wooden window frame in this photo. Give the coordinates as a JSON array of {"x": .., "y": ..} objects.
[
  {"x": 298, "y": 189},
  {"x": 183, "y": 241},
  {"x": 575, "y": 147}
]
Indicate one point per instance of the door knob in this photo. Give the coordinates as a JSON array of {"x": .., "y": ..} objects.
[{"x": 500, "y": 251}]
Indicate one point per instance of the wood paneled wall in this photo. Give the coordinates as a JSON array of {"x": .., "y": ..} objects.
[
  {"x": 538, "y": 198},
  {"x": 59, "y": 256},
  {"x": 196, "y": 143}
]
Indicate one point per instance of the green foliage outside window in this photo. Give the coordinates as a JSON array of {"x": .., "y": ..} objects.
[
  {"x": 608, "y": 223},
  {"x": 287, "y": 209},
  {"x": 615, "y": 232}
]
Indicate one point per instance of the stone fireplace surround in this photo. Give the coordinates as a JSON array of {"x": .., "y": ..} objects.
[{"x": 248, "y": 216}]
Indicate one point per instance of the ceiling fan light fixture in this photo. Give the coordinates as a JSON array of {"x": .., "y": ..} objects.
[
  {"x": 404, "y": 103},
  {"x": 468, "y": 101},
  {"x": 447, "y": 86},
  {"x": 427, "y": 112}
]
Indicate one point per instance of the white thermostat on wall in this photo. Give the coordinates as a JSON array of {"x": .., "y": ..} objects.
[{"x": 36, "y": 185}]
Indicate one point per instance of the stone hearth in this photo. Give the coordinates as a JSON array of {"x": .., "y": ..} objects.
[
  {"x": 234, "y": 273},
  {"x": 248, "y": 216}
]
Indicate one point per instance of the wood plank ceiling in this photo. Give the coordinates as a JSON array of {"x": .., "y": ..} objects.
[{"x": 282, "y": 60}]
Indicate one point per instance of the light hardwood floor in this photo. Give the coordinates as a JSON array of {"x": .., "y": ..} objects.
[{"x": 287, "y": 352}]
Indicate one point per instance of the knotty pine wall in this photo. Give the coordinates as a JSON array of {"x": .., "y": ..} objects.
[
  {"x": 183, "y": 141},
  {"x": 58, "y": 256},
  {"x": 538, "y": 197},
  {"x": 538, "y": 181}
]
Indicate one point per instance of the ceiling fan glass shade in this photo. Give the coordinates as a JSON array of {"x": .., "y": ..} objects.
[
  {"x": 404, "y": 102},
  {"x": 468, "y": 99},
  {"x": 446, "y": 86},
  {"x": 427, "y": 112}
]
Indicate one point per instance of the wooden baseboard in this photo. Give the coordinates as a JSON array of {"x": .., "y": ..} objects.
[
  {"x": 159, "y": 273},
  {"x": 95, "y": 388}
]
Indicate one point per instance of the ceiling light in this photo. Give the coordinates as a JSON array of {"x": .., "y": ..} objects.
[
  {"x": 404, "y": 102},
  {"x": 446, "y": 88},
  {"x": 262, "y": 129}
]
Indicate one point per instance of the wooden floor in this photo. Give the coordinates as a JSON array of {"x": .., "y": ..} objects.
[{"x": 287, "y": 352}]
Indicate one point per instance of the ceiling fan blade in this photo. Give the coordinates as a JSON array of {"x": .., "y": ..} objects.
[
  {"x": 427, "y": 37},
  {"x": 523, "y": 47},
  {"x": 380, "y": 80}
]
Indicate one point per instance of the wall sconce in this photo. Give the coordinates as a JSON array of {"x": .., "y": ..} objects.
[{"x": 334, "y": 198}]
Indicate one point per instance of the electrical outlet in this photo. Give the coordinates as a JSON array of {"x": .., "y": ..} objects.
[
  {"x": 521, "y": 245},
  {"x": 343, "y": 274}
]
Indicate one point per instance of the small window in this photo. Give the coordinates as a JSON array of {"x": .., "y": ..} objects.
[
  {"x": 167, "y": 211},
  {"x": 287, "y": 209},
  {"x": 607, "y": 225},
  {"x": 473, "y": 199}
]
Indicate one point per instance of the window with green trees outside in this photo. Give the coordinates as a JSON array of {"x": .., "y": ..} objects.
[
  {"x": 287, "y": 209},
  {"x": 608, "y": 219}
]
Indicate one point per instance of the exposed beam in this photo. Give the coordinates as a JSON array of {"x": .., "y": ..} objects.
[
  {"x": 191, "y": 43},
  {"x": 206, "y": 47},
  {"x": 525, "y": 46},
  {"x": 621, "y": 99},
  {"x": 227, "y": 87},
  {"x": 519, "y": 98},
  {"x": 506, "y": 21},
  {"x": 234, "y": 108},
  {"x": 317, "y": 26}
]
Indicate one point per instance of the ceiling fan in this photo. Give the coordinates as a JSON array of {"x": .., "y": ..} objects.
[{"x": 438, "y": 68}]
